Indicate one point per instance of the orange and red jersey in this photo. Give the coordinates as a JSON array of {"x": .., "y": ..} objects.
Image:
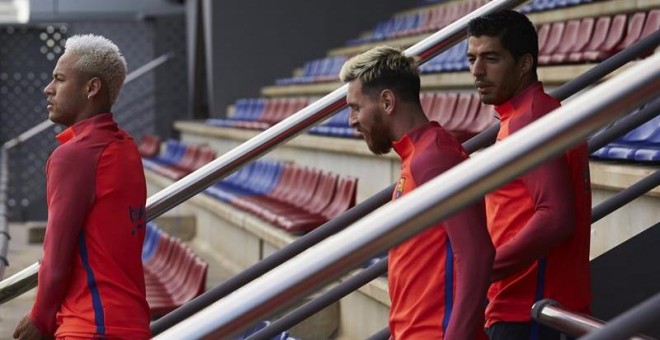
[
  {"x": 91, "y": 282},
  {"x": 438, "y": 279},
  {"x": 540, "y": 224}
]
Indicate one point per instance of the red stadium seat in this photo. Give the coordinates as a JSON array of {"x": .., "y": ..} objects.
[
  {"x": 443, "y": 107},
  {"x": 614, "y": 37},
  {"x": 553, "y": 42},
  {"x": 149, "y": 145},
  {"x": 596, "y": 41},
  {"x": 568, "y": 41},
  {"x": 634, "y": 31}
]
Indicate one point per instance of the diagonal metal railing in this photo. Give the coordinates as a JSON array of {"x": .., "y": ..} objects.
[
  {"x": 4, "y": 227},
  {"x": 625, "y": 326},
  {"x": 358, "y": 280},
  {"x": 4, "y": 183},
  {"x": 231, "y": 161},
  {"x": 384, "y": 196},
  {"x": 422, "y": 208}
]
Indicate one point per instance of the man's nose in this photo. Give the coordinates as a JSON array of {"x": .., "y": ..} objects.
[
  {"x": 48, "y": 89},
  {"x": 352, "y": 118},
  {"x": 477, "y": 68}
]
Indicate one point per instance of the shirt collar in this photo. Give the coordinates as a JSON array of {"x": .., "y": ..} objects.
[
  {"x": 406, "y": 144},
  {"x": 512, "y": 105},
  {"x": 82, "y": 126}
]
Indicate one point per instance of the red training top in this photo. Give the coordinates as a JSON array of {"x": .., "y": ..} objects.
[
  {"x": 438, "y": 279},
  {"x": 540, "y": 224},
  {"x": 91, "y": 281}
]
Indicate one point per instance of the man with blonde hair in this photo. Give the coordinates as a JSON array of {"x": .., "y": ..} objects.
[
  {"x": 437, "y": 279},
  {"x": 91, "y": 283}
]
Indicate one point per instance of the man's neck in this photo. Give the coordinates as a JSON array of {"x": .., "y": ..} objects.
[{"x": 408, "y": 119}]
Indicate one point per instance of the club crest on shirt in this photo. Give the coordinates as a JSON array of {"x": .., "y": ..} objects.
[
  {"x": 398, "y": 191},
  {"x": 137, "y": 218}
]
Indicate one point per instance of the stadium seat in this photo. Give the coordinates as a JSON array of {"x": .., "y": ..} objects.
[
  {"x": 633, "y": 31},
  {"x": 149, "y": 145},
  {"x": 552, "y": 43},
  {"x": 613, "y": 37},
  {"x": 443, "y": 108},
  {"x": 568, "y": 41},
  {"x": 597, "y": 39}
]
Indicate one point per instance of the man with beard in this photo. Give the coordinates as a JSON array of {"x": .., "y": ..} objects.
[
  {"x": 539, "y": 222},
  {"x": 437, "y": 279}
]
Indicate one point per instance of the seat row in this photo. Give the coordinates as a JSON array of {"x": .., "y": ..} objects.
[
  {"x": 260, "y": 113},
  {"x": 593, "y": 39},
  {"x": 437, "y": 17},
  {"x": 546, "y": 5},
  {"x": 295, "y": 198},
  {"x": 639, "y": 145},
  {"x": 316, "y": 71},
  {"x": 426, "y": 20},
  {"x": 461, "y": 114},
  {"x": 337, "y": 126},
  {"x": 564, "y": 42},
  {"x": 173, "y": 274},
  {"x": 179, "y": 159}
]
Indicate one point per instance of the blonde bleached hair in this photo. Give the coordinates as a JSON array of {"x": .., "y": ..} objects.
[
  {"x": 99, "y": 57},
  {"x": 384, "y": 67}
]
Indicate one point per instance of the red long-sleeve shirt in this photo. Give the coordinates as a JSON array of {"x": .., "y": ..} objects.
[
  {"x": 91, "y": 281},
  {"x": 540, "y": 224},
  {"x": 438, "y": 279}
]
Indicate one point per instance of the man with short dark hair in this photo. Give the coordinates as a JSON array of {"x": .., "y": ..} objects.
[
  {"x": 438, "y": 278},
  {"x": 539, "y": 222}
]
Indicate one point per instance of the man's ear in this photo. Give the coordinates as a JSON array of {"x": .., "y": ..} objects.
[
  {"x": 387, "y": 101},
  {"x": 526, "y": 63},
  {"x": 93, "y": 87}
]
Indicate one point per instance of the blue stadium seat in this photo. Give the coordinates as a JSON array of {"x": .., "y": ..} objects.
[{"x": 336, "y": 126}]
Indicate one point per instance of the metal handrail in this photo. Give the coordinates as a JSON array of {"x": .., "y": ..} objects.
[
  {"x": 551, "y": 314},
  {"x": 629, "y": 323},
  {"x": 28, "y": 276},
  {"x": 4, "y": 227},
  {"x": 545, "y": 138},
  {"x": 358, "y": 280},
  {"x": 623, "y": 197},
  {"x": 484, "y": 139}
]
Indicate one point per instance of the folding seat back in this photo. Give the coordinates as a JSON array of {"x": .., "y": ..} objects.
[
  {"x": 469, "y": 124},
  {"x": 306, "y": 187},
  {"x": 552, "y": 43},
  {"x": 634, "y": 30},
  {"x": 344, "y": 197},
  {"x": 284, "y": 184},
  {"x": 600, "y": 33},
  {"x": 324, "y": 193},
  {"x": 542, "y": 34},
  {"x": 426, "y": 99},
  {"x": 570, "y": 37},
  {"x": 652, "y": 24},
  {"x": 584, "y": 34},
  {"x": 189, "y": 158},
  {"x": 444, "y": 110},
  {"x": 460, "y": 112},
  {"x": 615, "y": 34}
]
